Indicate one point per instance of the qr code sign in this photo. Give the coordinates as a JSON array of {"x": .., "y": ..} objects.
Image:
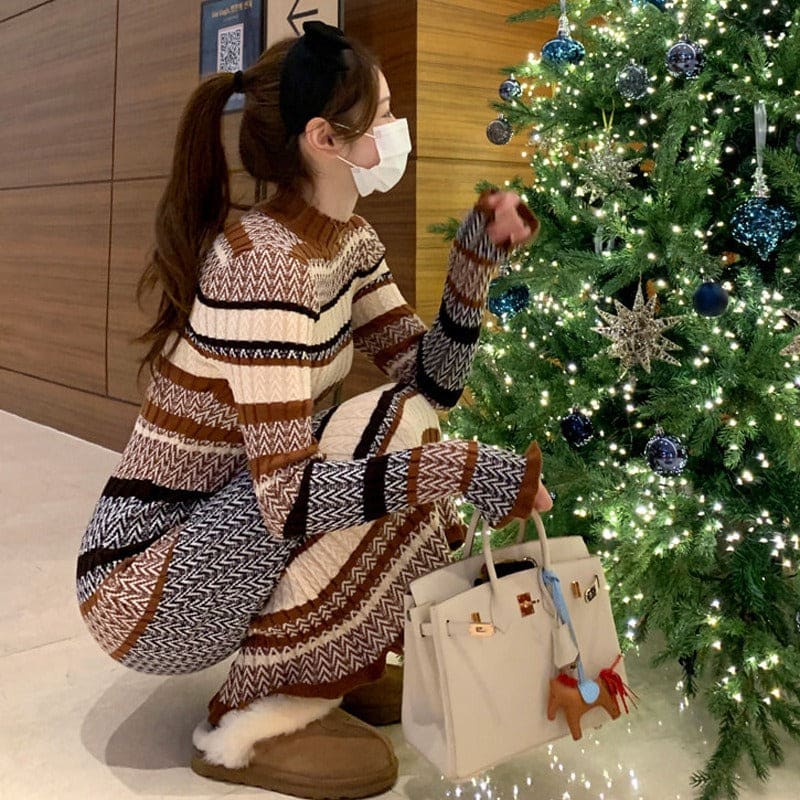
[{"x": 230, "y": 43}]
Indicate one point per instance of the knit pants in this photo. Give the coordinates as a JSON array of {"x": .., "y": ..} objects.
[{"x": 190, "y": 580}]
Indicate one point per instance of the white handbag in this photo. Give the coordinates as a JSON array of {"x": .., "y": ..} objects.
[{"x": 481, "y": 663}]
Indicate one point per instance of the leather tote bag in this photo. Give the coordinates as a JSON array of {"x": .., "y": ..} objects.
[{"x": 507, "y": 650}]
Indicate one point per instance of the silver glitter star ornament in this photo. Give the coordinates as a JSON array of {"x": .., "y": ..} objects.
[
  {"x": 605, "y": 171},
  {"x": 636, "y": 335}
]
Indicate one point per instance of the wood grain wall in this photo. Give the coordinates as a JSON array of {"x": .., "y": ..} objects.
[{"x": 91, "y": 103}]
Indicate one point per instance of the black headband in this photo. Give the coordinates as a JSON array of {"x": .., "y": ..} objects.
[{"x": 310, "y": 72}]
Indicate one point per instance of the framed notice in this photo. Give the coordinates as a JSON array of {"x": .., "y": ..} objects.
[
  {"x": 231, "y": 38},
  {"x": 285, "y": 18}
]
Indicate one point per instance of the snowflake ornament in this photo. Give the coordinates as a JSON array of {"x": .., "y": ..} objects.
[
  {"x": 636, "y": 334},
  {"x": 793, "y": 348},
  {"x": 605, "y": 171}
]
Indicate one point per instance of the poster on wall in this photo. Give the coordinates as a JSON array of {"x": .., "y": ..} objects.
[
  {"x": 231, "y": 38},
  {"x": 285, "y": 18}
]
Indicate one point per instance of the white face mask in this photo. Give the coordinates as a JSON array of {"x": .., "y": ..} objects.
[{"x": 394, "y": 145}]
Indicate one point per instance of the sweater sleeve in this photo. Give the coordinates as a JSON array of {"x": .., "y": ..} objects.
[
  {"x": 263, "y": 352},
  {"x": 438, "y": 361}
]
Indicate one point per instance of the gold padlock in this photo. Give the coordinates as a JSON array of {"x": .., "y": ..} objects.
[{"x": 478, "y": 628}]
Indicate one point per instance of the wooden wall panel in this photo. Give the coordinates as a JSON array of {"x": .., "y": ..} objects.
[
  {"x": 53, "y": 270},
  {"x": 157, "y": 70},
  {"x": 10, "y": 8},
  {"x": 131, "y": 240},
  {"x": 56, "y": 94},
  {"x": 462, "y": 46},
  {"x": 389, "y": 29},
  {"x": 88, "y": 416}
]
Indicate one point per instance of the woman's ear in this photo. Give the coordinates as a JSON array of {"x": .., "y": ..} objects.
[{"x": 320, "y": 138}]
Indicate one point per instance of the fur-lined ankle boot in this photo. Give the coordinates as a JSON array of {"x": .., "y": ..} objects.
[
  {"x": 305, "y": 747},
  {"x": 379, "y": 702}
]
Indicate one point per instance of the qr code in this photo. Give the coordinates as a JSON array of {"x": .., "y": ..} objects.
[{"x": 230, "y": 42}]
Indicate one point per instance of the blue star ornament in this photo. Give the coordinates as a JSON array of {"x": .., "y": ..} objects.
[
  {"x": 761, "y": 226},
  {"x": 510, "y": 302}
]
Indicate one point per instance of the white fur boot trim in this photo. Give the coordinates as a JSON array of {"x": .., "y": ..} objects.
[{"x": 231, "y": 742}]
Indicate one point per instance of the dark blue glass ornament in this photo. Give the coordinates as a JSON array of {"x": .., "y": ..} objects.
[
  {"x": 661, "y": 5},
  {"x": 576, "y": 428},
  {"x": 666, "y": 454},
  {"x": 685, "y": 59},
  {"x": 499, "y": 131},
  {"x": 797, "y": 143},
  {"x": 710, "y": 299},
  {"x": 632, "y": 81},
  {"x": 563, "y": 50},
  {"x": 762, "y": 226},
  {"x": 510, "y": 89},
  {"x": 510, "y": 302}
]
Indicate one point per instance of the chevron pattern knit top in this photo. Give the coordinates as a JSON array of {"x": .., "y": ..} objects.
[{"x": 284, "y": 296}]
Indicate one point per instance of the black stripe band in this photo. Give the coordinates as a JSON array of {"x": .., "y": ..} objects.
[
  {"x": 286, "y": 349},
  {"x": 295, "y": 525},
  {"x": 149, "y": 492},
  {"x": 368, "y": 440},
  {"x": 375, "y": 488},
  {"x": 452, "y": 330},
  {"x": 257, "y": 305},
  {"x": 105, "y": 556},
  {"x": 431, "y": 389}
]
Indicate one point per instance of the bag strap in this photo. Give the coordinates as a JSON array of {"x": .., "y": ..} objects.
[{"x": 537, "y": 521}]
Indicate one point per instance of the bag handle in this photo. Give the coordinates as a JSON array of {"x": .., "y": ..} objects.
[{"x": 487, "y": 553}]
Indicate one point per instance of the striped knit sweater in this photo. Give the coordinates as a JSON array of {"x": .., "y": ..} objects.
[{"x": 284, "y": 296}]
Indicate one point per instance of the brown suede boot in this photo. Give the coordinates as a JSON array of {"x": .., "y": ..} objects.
[
  {"x": 334, "y": 757},
  {"x": 380, "y": 702}
]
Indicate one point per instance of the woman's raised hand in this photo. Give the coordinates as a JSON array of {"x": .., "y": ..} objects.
[{"x": 513, "y": 224}]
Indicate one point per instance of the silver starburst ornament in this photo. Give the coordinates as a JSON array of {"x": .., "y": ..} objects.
[
  {"x": 605, "y": 170},
  {"x": 636, "y": 335},
  {"x": 793, "y": 348}
]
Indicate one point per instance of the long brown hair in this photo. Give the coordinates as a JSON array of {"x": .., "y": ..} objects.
[{"x": 196, "y": 201}]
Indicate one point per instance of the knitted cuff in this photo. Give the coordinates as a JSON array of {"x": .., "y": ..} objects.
[{"x": 503, "y": 485}]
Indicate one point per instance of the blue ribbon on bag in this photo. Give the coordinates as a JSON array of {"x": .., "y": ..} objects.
[{"x": 589, "y": 690}]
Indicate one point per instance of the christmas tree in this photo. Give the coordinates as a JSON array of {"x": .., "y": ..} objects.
[{"x": 648, "y": 339}]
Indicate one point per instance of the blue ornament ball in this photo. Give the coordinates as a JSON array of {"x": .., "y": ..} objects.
[
  {"x": 510, "y": 89},
  {"x": 685, "y": 59},
  {"x": 563, "y": 50},
  {"x": 499, "y": 131},
  {"x": 661, "y": 5},
  {"x": 762, "y": 226},
  {"x": 576, "y": 428},
  {"x": 710, "y": 299},
  {"x": 666, "y": 454},
  {"x": 510, "y": 302},
  {"x": 633, "y": 81}
]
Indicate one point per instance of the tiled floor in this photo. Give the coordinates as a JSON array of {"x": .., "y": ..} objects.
[{"x": 73, "y": 724}]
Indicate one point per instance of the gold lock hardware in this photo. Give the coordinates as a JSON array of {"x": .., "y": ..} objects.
[
  {"x": 526, "y": 604},
  {"x": 478, "y": 628}
]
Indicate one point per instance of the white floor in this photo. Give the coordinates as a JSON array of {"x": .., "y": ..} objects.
[{"x": 74, "y": 724}]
